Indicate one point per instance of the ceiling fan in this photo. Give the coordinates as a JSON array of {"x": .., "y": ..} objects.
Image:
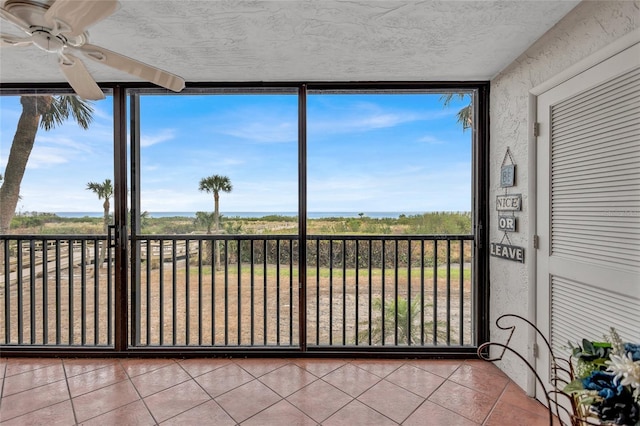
[{"x": 61, "y": 29}]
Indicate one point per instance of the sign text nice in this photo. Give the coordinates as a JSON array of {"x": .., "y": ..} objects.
[
  {"x": 507, "y": 252},
  {"x": 509, "y": 202}
]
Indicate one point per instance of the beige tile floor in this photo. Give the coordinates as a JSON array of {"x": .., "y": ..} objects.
[{"x": 261, "y": 392}]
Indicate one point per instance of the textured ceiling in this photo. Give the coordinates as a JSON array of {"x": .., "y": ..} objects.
[{"x": 312, "y": 40}]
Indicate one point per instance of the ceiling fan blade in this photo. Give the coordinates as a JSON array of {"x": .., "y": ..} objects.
[
  {"x": 133, "y": 67},
  {"x": 10, "y": 40},
  {"x": 18, "y": 22},
  {"x": 79, "y": 78},
  {"x": 74, "y": 16}
]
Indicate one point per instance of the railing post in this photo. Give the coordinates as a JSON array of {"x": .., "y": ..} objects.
[
  {"x": 120, "y": 219},
  {"x": 302, "y": 217}
]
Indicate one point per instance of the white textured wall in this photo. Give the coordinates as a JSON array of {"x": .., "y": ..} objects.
[{"x": 589, "y": 27}]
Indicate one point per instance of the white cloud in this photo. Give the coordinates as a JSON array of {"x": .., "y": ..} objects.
[
  {"x": 431, "y": 140},
  {"x": 264, "y": 131},
  {"x": 362, "y": 118},
  {"x": 64, "y": 142},
  {"x": 227, "y": 162},
  {"x": 103, "y": 114},
  {"x": 42, "y": 157},
  {"x": 410, "y": 189},
  {"x": 160, "y": 136}
]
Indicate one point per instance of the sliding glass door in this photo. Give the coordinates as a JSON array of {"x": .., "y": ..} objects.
[
  {"x": 390, "y": 218},
  {"x": 308, "y": 217},
  {"x": 215, "y": 193}
]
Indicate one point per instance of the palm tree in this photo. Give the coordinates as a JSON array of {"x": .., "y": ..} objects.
[
  {"x": 465, "y": 115},
  {"x": 408, "y": 324},
  {"x": 214, "y": 184},
  {"x": 206, "y": 219},
  {"x": 37, "y": 111},
  {"x": 103, "y": 190}
]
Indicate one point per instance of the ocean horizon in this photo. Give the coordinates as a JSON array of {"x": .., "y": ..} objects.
[{"x": 310, "y": 215}]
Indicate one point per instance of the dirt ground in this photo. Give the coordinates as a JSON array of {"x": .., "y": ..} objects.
[{"x": 181, "y": 306}]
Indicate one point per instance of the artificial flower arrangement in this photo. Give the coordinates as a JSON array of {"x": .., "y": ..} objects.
[{"x": 607, "y": 380}]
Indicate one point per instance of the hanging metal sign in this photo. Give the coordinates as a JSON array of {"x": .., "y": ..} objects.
[
  {"x": 508, "y": 176},
  {"x": 510, "y": 202},
  {"x": 507, "y": 223},
  {"x": 507, "y": 171},
  {"x": 508, "y": 252}
]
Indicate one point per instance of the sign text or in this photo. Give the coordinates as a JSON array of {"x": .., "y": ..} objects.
[{"x": 507, "y": 223}]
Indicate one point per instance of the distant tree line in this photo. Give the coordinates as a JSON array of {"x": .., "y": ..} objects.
[{"x": 339, "y": 253}]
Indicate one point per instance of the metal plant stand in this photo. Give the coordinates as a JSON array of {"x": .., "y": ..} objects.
[{"x": 563, "y": 408}]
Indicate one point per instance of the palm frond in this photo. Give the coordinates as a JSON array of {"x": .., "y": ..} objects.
[
  {"x": 465, "y": 114},
  {"x": 448, "y": 97},
  {"x": 215, "y": 184},
  {"x": 465, "y": 117},
  {"x": 103, "y": 190},
  {"x": 63, "y": 106},
  {"x": 400, "y": 317}
]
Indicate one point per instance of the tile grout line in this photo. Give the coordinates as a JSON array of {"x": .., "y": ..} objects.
[
  {"x": 203, "y": 389},
  {"x": 161, "y": 390},
  {"x": 355, "y": 398},
  {"x": 530, "y": 412},
  {"x": 321, "y": 378},
  {"x": 103, "y": 387},
  {"x": 284, "y": 398},
  {"x": 92, "y": 390},
  {"x": 441, "y": 384},
  {"x": 138, "y": 392},
  {"x": 264, "y": 384},
  {"x": 495, "y": 404},
  {"x": 209, "y": 395},
  {"x": 446, "y": 379},
  {"x": 35, "y": 387},
  {"x": 424, "y": 399},
  {"x": 66, "y": 381},
  {"x": 315, "y": 379},
  {"x": 275, "y": 403},
  {"x": 4, "y": 370}
]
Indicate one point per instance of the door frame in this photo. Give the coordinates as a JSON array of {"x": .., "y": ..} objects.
[{"x": 585, "y": 64}]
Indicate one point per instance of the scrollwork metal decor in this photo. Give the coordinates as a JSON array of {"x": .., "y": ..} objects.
[{"x": 563, "y": 408}]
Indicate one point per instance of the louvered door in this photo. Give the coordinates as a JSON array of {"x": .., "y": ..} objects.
[{"x": 588, "y": 211}]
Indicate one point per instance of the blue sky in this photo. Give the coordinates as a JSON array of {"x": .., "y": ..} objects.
[{"x": 366, "y": 153}]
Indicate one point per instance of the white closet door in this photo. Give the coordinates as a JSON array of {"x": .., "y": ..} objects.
[{"x": 588, "y": 208}]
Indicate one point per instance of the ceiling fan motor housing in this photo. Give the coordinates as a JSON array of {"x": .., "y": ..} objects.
[{"x": 48, "y": 42}]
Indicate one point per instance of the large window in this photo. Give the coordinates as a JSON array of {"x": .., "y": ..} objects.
[
  {"x": 298, "y": 217},
  {"x": 56, "y": 204},
  {"x": 56, "y": 154},
  {"x": 385, "y": 169},
  {"x": 390, "y": 155},
  {"x": 218, "y": 169},
  {"x": 236, "y": 152}
]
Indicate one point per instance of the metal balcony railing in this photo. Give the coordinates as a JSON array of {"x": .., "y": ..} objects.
[
  {"x": 241, "y": 291},
  {"x": 54, "y": 292},
  {"x": 374, "y": 291}
]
